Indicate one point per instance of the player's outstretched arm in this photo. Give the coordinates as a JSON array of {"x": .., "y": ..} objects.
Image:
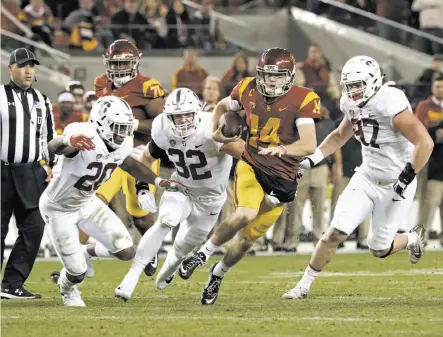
[
  {"x": 301, "y": 148},
  {"x": 414, "y": 131},
  {"x": 138, "y": 170},
  {"x": 70, "y": 145},
  {"x": 332, "y": 143}
]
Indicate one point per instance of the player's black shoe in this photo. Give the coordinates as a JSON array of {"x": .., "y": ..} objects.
[
  {"x": 151, "y": 268},
  {"x": 210, "y": 293},
  {"x": 190, "y": 264}
]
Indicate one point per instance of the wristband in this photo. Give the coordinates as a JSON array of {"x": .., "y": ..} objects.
[
  {"x": 284, "y": 148},
  {"x": 317, "y": 156},
  {"x": 140, "y": 185}
]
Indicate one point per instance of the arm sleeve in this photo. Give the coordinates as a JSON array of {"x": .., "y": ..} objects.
[
  {"x": 152, "y": 89},
  {"x": 310, "y": 106}
]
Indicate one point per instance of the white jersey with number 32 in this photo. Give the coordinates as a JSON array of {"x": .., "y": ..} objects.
[
  {"x": 76, "y": 179},
  {"x": 385, "y": 150},
  {"x": 198, "y": 161}
]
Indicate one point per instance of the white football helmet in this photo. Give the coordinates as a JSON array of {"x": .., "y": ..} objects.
[
  {"x": 112, "y": 117},
  {"x": 182, "y": 107},
  {"x": 361, "y": 78}
]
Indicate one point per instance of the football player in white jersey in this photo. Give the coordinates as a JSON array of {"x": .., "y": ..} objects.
[
  {"x": 395, "y": 147},
  {"x": 184, "y": 133},
  {"x": 88, "y": 153}
]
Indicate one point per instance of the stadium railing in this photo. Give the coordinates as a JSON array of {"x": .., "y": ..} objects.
[{"x": 391, "y": 30}]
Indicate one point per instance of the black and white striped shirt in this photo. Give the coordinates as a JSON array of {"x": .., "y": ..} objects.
[{"x": 25, "y": 134}]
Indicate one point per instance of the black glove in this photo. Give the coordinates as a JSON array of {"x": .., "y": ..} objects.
[
  {"x": 404, "y": 179},
  {"x": 140, "y": 185}
]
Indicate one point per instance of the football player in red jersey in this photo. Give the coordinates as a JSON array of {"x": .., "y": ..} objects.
[
  {"x": 280, "y": 119},
  {"x": 145, "y": 96}
]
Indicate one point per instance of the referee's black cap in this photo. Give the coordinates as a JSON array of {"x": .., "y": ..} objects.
[{"x": 22, "y": 55}]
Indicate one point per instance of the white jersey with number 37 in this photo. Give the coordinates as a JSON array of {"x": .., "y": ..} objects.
[
  {"x": 198, "y": 161},
  {"x": 76, "y": 179},
  {"x": 385, "y": 150}
]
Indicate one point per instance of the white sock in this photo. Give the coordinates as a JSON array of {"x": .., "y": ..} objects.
[
  {"x": 101, "y": 251},
  {"x": 209, "y": 248},
  {"x": 148, "y": 246},
  {"x": 221, "y": 269},
  {"x": 309, "y": 276}
]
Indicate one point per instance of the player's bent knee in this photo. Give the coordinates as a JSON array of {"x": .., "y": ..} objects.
[
  {"x": 76, "y": 278},
  {"x": 242, "y": 217},
  {"x": 169, "y": 220},
  {"x": 333, "y": 236},
  {"x": 383, "y": 252},
  {"x": 126, "y": 254}
]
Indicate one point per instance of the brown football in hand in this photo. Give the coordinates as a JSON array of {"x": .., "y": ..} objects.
[{"x": 232, "y": 124}]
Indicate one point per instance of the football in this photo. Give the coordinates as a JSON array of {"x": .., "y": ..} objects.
[{"x": 232, "y": 124}]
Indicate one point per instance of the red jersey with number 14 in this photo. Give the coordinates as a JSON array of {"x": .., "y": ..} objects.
[{"x": 273, "y": 123}]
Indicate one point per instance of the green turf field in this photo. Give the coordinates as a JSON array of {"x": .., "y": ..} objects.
[{"x": 359, "y": 296}]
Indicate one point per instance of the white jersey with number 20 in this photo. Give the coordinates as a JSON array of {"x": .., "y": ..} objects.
[{"x": 76, "y": 179}]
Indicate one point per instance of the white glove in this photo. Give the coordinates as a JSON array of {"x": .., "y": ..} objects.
[
  {"x": 146, "y": 201},
  {"x": 271, "y": 201}
]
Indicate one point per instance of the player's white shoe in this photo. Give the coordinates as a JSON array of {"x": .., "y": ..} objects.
[
  {"x": 126, "y": 288},
  {"x": 165, "y": 277},
  {"x": 72, "y": 298},
  {"x": 416, "y": 248},
  {"x": 299, "y": 292}
]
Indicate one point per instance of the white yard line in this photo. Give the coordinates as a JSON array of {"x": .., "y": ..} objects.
[
  {"x": 231, "y": 318},
  {"x": 282, "y": 275}
]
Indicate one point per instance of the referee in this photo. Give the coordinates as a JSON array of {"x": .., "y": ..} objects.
[{"x": 26, "y": 128}]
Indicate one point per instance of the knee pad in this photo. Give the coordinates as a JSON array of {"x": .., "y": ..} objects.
[{"x": 126, "y": 254}]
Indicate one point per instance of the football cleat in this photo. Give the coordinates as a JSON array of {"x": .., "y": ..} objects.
[
  {"x": 164, "y": 283},
  {"x": 299, "y": 292},
  {"x": 72, "y": 298},
  {"x": 190, "y": 264},
  {"x": 417, "y": 249},
  {"x": 151, "y": 267},
  {"x": 210, "y": 293},
  {"x": 122, "y": 293}
]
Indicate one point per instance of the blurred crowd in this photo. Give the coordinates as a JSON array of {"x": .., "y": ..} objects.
[
  {"x": 425, "y": 15},
  {"x": 91, "y": 25}
]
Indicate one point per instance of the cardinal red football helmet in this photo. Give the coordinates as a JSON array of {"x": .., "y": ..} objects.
[
  {"x": 121, "y": 62},
  {"x": 275, "y": 72}
]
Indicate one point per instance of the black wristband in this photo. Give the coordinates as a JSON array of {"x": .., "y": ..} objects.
[
  {"x": 407, "y": 175},
  {"x": 140, "y": 185}
]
